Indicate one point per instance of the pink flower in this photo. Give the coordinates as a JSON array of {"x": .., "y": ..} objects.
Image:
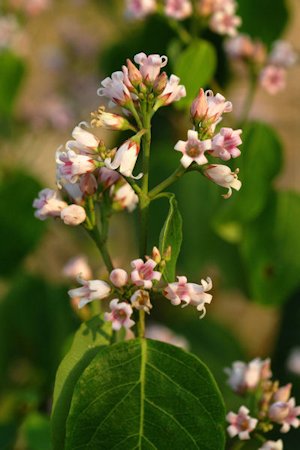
[
  {"x": 172, "y": 92},
  {"x": 225, "y": 23},
  {"x": 193, "y": 149},
  {"x": 245, "y": 377},
  {"x": 115, "y": 89},
  {"x": 159, "y": 332},
  {"x": 208, "y": 108},
  {"x": 125, "y": 197},
  {"x": 189, "y": 293},
  {"x": 143, "y": 273},
  {"x": 225, "y": 143},
  {"x": 272, "y": 445},
  {"x": 273, "y": 79},
  {"x": 48, "y": 204},
  {"x": 125, "y": 158},
  {"x": 283, "y": 393},
  {"x": 88, "y": 184},
  {"x": 120, "y": 315},
  {"x": 90, "y": 290},
  {"x": 240, "y": 46},
  {"x": 178, "y": 9},
  {"x": 241, "y": 424},
  {"x": 140, "y": 300},
  {"x": 283, "y": 54},
  {"x": 118, "y": 277},
  {"x": 84, "y": 142},
  {"x": 138, "y": 9},
  {"x": 108, "y": 177},
  {"x": 150, "y": 65},
  {"x": 77, "y": 266},
  {"x": 73, "y": 215},
  {"x": 71, "y": 165},
  {"x": 207, "y": 7},
  {"x": 223, "y": 176},
  {"x": 286, "y": 414}
]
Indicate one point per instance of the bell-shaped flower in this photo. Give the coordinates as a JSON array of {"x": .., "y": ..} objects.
[
  {"x": 124, "y": 197},
  {"x": 71, "y": 165},
  {"x": 115, "y": 89},
  {"x": 150, "y": 66},
  {"x": 120, "y": 315},
  {"x": 225, "y": 144},
  {"x": 90, "y": 290},
  {"x": 84, "y": 142},
  {"x": 109, "y": 121},
  {"x": 272, "y": 445},
  {"x": 178, "y": 9},
  {"x": 172, "y": 92},
  {"x": 48, "y": 204},
  {"x": 139, "y": 9},
  {"x": 245, "y": 377},
  {"x": 208, "y": 108},
  {"x": 223, "y": 176},
  {"x": 241, "y": 424},
  {"x": 126, "y": 156},
  {"x": 140, "y": 300},
  {"x": 286, "y": 414},
  {"x": 143, "y": 273},
  {"x": 193, "y": 149},
  {"x": 73, "y": 215},
  {"x": 273, "y": 79}
]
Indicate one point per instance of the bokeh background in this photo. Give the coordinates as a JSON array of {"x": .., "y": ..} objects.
[{"x": 52, "y": 59}]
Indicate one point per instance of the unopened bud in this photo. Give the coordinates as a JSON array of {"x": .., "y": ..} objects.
[
  {"x": 279, "y": 411},
  {"x": 88, "y": 184},
  {"x": 110, "y": 121},
  {"x": 156, "y": 256},
  {"x": 168, "y": 253},
  {"x": 199, "y": 107},
  {"x": 134, "y": 74},
  {"x": 73, "y": 215},
  {"x": 118, "y": 277},
  {"x": 160, "y": 83},
  {"x": 283, "y": 393}
]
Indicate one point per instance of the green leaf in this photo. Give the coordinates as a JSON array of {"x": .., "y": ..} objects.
[
  {"x": 87, "y": 341},
  {"x": 271, "y": 248},
  {"x": 259, "y": 163},
  {"x": 257, "y": 20},
  {"x": 20, "y": 231},
  {"x": 171, "y": 235},
  {"x": 148, "y": 395},
  {"x": 36, "y": 432},
  {"x": 195, "y": 66}
]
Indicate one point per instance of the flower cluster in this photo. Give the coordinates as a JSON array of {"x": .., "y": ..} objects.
[
  {"x": 206, "y": 112},
  {"x": 273, "y": 403},
  {"x": 271, "y": 68},
  {"x": 219, "y": 14},
  {"x": 136, "y": 289}
]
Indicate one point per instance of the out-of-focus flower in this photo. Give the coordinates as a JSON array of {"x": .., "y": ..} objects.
[
  {"x": 245, "y": 377},
  {"x": 30, "y": 7},
  {"x": 293, "y": 361},
  {"x": 138, "y": 9},
  {"x": 120, "y": 315},
  {"x": 241, "y": 424},
  {"x": 225, "y": 144},
  {"x": 140, "y": 300},
  {"x": 273, "y": 79},
  {"x": 118, "y": 277},
  {"x": 223, "y": 176},
  {"x": 178, "y": 9},
  {"x": 193, "y": 149},
  {"x": 125, "y": 197},
  {"x": 143, "y": 273},
  {"x": 48, "y": 204},
  {"x": 207, "y": 7},
  {"x": 77, "y": 266},
  {"x": 73, "y": 215},
  {"x": 90, "y": 290},
  {"x": 272, "y": 445},
  {"x": 282, "y": 54},
  {"x": 283, "y": 393},
  {"x": 8, "y": 30},
  {"x": 286, "y": 414},
  {"x": 225, "y": 23},
  {"x": 240, "y": 46},
  {"x": 160, "y": 332}
]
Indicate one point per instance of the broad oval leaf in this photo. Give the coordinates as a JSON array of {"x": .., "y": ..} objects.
[
  {"x": 171, "y": 235},
  {"x": 195, "y": 66},
  {"x": 87, "y": 341},
  {"x": 145, "y": 394}
]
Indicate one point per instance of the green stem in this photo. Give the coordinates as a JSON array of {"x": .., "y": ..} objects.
[
  {"x": 238, "y": 445},
  {"x": 167, "y": 182},
  {"x": 249, "y": 99},
  {"x": 135, "y": 115},
  {"x": 101, "y": 244},
  {"x": 182, "y": 33}
]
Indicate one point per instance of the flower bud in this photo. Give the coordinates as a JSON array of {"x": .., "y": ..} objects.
[
  {"x": 134, "y": 75},
  {"x": 88, "y": 184},
  {"x": 279, "y": 411},
  {"x": 160, "y": 83},
  {"x": 283, "y": 393},
  {"x": 156, "y": 256},
  {"x": 118, "y": 277},
  {"x": 199, "y": 107},
  {"x": 73, "y": 215},
  {"x": 110, "y": 121},
  {"x": 168, "y": 253}
]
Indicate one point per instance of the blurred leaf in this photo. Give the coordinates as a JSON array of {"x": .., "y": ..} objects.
[
  {"x": 259, "y": 163},
  {"x": 171, "y": 235},
  {"x": 90, "y": 336},
  {"x": 195, "y": 67},
  {"x": 20, "y": 230},
  {"x": 271, "y": 248},
  {"x": 264, "y": 19},
  {"x": 146, "y": 394},
  {"x": 8, "y": 434},
  {"x": 36, "y": 432},
  {"x": 35, "y": 320}
]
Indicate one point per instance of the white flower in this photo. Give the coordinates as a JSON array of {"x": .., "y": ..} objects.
[
  {"x": 90, "y": 290},
  {"x": 140, "y": 300},
  {"x": 172, "y": 92},
  {"x": 120, "y": 315},
  {"x": 125, "y": 158},
  {"x": 115, "y": 89},
  {"x": 150, "y": 65},
  {"x": 138, "y": 9},
  {"x": 73, "y": 215},
  {"x": 223, "y": 176},
  {"x": 178, "y": 9},
  {"x": 245, "y": 377},
  {"x": 293, "y": 361},
  {"x": 193, "y": 149},
  {"x": 48, "y": 204},
  {"x": 272, "y": 445},
  {"x": 84, "y": 142},
  {"x": 118, "y": 277},
  {"x": 71, "y": 165},
  {"x": 77, "y": 266},
  {"x": 125, "y": 197}
]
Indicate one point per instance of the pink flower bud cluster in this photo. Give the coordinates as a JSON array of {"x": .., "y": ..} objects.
[
  {"x": 274, "y": 404},
  {"x": 206, "y": 112},
  {"x": 272, "y": 68}
]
